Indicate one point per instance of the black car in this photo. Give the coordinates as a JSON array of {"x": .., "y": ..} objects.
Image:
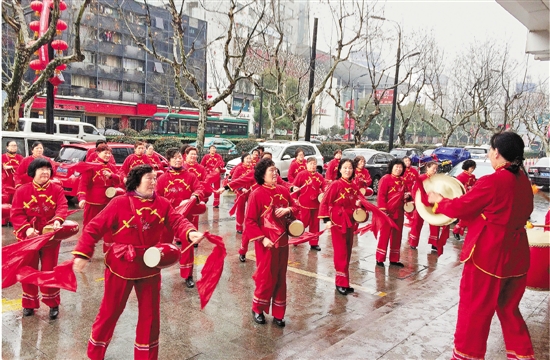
[
  {"x": 400, "y": 153},
  {"x": 376, "y": 163},
  {"x": 540, "y": 172}
]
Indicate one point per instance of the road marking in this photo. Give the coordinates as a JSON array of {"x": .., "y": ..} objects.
[
  {"x": 100, "y": 279},
  {"x": 11, "y": 305},
  {"x": 200, "y": 259}
]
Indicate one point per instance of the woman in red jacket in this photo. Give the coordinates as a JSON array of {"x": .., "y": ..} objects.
[
  {"x": 10, "y": 163},
  {"x": 468, "y": 179},
  {"x": 362, "y": 176},
  {"x": 495, "y": 252},
  {"x": 332, "y": 167},
  {"x": 21, "y": 177},
  {"x": 154, "y": 159},
  {"x": 297, "y": 165},
  {"x": 410, "y": 176}
]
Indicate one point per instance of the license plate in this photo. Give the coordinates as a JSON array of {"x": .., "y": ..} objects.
[
  {"x": 545, "y": 174},
  {"x": 61, "y": 170}
]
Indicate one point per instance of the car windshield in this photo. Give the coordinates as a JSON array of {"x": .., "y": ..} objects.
[
  {"x": 274, "y": 149},
  {"x": 71, "y": 154},
  {"x": 544, "y": 162},
  {"x": 477, "y": 151},
  {"x": 351, "y": 154},
  {"x": 482, "y": 168},
  {"x": 398, "y": 153}
]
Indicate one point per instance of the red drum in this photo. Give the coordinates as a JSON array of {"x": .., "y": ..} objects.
[
  {"x": 6, "y": 208},
  {"x": 111, "y": 192},
  {"x": 198, "y": 209},
  {"x": 68, "y": 229},
  {"x": 368, "y": 192},
  {"x": 538, "y": 276},
  {"x": 360, "y": 215},
  {"x": 162, "y": 255}
]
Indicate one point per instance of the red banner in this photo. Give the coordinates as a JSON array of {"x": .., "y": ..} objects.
[
  {"x": 385, "y": 96},
  {"x": 349, "y": 122}
]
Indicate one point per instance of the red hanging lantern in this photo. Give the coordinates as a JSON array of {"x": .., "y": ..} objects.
[
  {"x": 35, "y": 27},
  {"x": 61, "y": 67},
  {"x": 61, "y": 26},
  {"x": 37, "y": 66},
  {"x": 55, "y": 80},
  {"x": 59, "y": 46},
  {"x": 37, "y": 7},
  {"x": 62, "y": 5}
]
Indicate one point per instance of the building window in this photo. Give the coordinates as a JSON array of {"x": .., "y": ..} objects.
[
  {"x": 158, "y": 68},
  {"x": 132, "y": 64},
  {"x": 112, "y": 123},
  {"x": 79, "y": 80},
  {"x": 107, "y": 84}
]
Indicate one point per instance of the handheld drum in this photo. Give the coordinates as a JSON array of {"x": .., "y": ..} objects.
[
  {"x": 408, "y": 207},
  {"x": 111, "y": 192},
  {"x": 538, "y": 275},
  {"x": 360, "y": 215},
  {"x": 68, "y": 229},
  {"x": 448, "y": 187},
  {"x": 295, "y": 227},
  {"x": 162, "y": 255},
  {"x": 320, "y": 197}
]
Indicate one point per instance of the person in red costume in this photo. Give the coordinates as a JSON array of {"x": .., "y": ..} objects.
[
  {"x": 154, "y": 159},
  {"x": 10, "y": 163},
  {"x": 191, "y": 164},
  {"x": 265, "y": 224},
  {"x": 468, "y": 179},
  {"x": 392, "y": 193},
  {"x": 215, "y": 167},
  {"x": 180, "y": 186},
  {"x": 35, "y": 205},
  {"x": 332, "y": 167},
  {"x": 91, "y": 154},
  {"x": 297, "y": 165},
  {"x": 21, "y": 177},
  {"x": 137, "y": 158},
  {"x": 255, "y": 157},
  {"x": 309, "y": 184},
  {"x": 438, "y": 234},
  {"x": 241, "y": 183},
  {"x": 410, "y": 176},
  {"x": 495, "y": 252},
  {"x": 280, "y": 181},
  {"x": 136, "y": 222},
  {"x": 92, "y": 186},
  {"x": 336, "y": 210},
  {"x": 362, "y": 176}
]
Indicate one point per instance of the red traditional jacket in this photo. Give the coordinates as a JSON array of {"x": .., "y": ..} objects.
[
  {"x": 211, "y": 163},
  {"x": 36, "y": 206},
  {"x": 232, "y": 171},
  {"x": 155, "y": 162},
  {"x": 362, "y": 178},
  {"x": 260, "y": 219},
  {"x": 295, "y": 168},
  {"x": 180, "y": 185},
  {"x": 332, "y": 169},
  {"x": 313, "y": 184},
  {"x": 197, "y": 169},
  {"x": 467, "y": 179},
  {"x": 21, "y": 176},
  {"x": 497, "y": 209},
  {"x": 131, "y": 162},
  {"x": 339, "y": 203},
  {"x": 136, "y": 224},
  {"x": 391, "y": 195},
  {"x": 93, "y": 183},
  {"x": 410, "y": 177},
  {"x": 8, "y": 176},
  {"x": 91, "y": 155}
]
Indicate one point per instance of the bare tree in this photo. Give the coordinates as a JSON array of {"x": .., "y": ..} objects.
[
  {"x": 18, "y": 91},
  {"x": 535, "y": 109}
]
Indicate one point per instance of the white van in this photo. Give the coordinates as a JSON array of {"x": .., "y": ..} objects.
[
  {"x": 77, "y": 129},
  {"x": 51, "y": 143}
]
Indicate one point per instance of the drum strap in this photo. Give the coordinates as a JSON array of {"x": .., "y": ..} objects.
[{"x": 138, "y": 220}]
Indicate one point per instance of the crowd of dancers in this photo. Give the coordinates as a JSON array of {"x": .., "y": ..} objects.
[{"x": 264, "y": 207}]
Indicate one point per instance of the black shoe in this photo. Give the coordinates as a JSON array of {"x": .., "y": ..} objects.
[
  {"x": 242, "y": 258},
  {"x": 457, "y": 236},
  {"x": 342, "y": 290},
  {"x": 189, "y": 282},
  {"x": 258, "y": 318},
  {"x": 413, "y": 247},
  {"x": 315, "y": 247},
  {"x": 380, "y": 263},
  {"x": 279, "y": 322},
  {"x": 397, "y": 263},
  {"x": 239, "y": 232},
  {"x": 28, "y": 312},
  {"x": 434, "y": 248},
  {"x": 196, "y": 245},
  {"x": 350, "y": 289},
  {"x": 54, "y": 312},
  {"x": 178, "y": 242},
  {"x": 216, "y": 206}
]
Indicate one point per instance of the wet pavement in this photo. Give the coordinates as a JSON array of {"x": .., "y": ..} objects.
[{"x": 407, "y": 313}]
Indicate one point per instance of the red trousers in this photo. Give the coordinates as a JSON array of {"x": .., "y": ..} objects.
[
  {"x": 310, "y": 219},
  {"x": 480, "y": 296},
  {"x": 215, "y": 184},
  {"x": 342, "y": 244},
  {"x": 437, "y": 238},
  {"x": 90, "y": 211},
  {"x": 187, "y": 259},
  {"x": 270, "y": 279},
  {"x": 391, "y": 236},
  {"x": 459, "y": 228},
  {"x": 47, "y": 257},
  {"x": 239, "y": 214},
  {"x": 114, "y": 300},
  {"x": 244, "y": 243}
]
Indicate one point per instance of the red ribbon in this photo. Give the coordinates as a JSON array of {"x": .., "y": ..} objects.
[
  {"x": 124, "y": 250},
  {"x": 212, "y": 270}
]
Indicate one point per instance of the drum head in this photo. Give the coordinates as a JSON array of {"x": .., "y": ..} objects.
[
  {"x": 320, "y": 197},
  {"x": 110, "y": 192},
  {"x": 360, "y": 215},
  {"x": 369, "y": 192},
  {"x": 363, "y": 191},
  {"x": 47, "y": 229},
  {"x": 296, "y": 228},
  {"x": 409, "y": 207},
  {"x": 448, "y": 187},
  {"x": 152, "y": 257},
  {"x": 538, "y": 238}
]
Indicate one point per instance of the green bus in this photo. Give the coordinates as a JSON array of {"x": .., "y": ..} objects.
[{"x": 171, "y": 124}]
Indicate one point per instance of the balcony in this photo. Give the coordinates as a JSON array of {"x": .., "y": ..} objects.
[
  {"x": 134, "y": 75},
  {"x": 81, "y": 68},
  {"x": 109, "y": 94},
  {"x": 111, "y": 72},
  {"x": 133, "y": 52},
  {"x": 132, "y": 97},
  {"x": 110, "y": 48}
]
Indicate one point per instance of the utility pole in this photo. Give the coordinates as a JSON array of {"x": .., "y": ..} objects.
[
  {"x": 261, "y": 109},
  {"x": 395, "y": 84},
  {"x": 311, "y": 79}
]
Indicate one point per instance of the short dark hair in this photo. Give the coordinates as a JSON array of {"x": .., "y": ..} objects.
[
  {"x": 357, "y": 159},
  {"x": 261, "y": 168},
  {"x": 243, "y": 156},
  {"x": 312, "y": 159},
  {"x": 397, "y": 162},
  {"x": 267, "y": 153},
  {"x": 139, "y": 143},
  {"x": 429, "y": 164},
  {"x": 11, "y": 141},
  {"x": 191, "y": 148},
  {"x": 183, "y": 148},
  {"x": 37, "y": 164},
  {"x": 256, "y": 150},
  {"x": 103, "y": 147},
  {"x": 134, "y": 176},
  {"x": 337, "y": 151},
  {"x": 468, "y": 164},
  {"x": 98, "y": 142},
  {"x": 171, "y": 153},
  {"x": 212, "y": 146},
  {"x": 261, "y": 148},
  {"x": 35, "y": 144},
  {"x": 510, "y": 145},
  {"x": 342, "y": 162},
  {"x": 298, "y": 150}
]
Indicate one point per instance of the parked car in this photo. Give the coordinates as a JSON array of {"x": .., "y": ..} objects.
[
  {"x": 540, "y": 172},
  {"x": 483, "y": 167},
  {"x": 312, "y": 140},
  {"x": 456, "y": 155},
  {"x": 400, "y": 153},
  {"x": 77, "y": 129},
  {"x": 223, "y": 146},
  {"x": 110, "y": 132},
  {"x": 376, "y": 163},
  {"x": 428, "y": 152},
  {"x": 52, "y": 143},
  {"x": 74, "y": 153},
  {"x": 283, "y": 153},
  {"x": 477, "y": 152}
]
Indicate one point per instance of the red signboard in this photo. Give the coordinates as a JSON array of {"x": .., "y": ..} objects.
[
  {"x": 385, "y": 96},
  {"x": 349, "y": 122}
]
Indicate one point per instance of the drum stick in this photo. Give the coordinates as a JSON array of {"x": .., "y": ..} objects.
[
  {"x": 539, "y": 226},
  {"x": 187, "y": 248},
  {"x": 85, "y": 280}
]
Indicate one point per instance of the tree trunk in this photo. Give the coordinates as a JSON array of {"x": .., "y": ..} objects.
[
  {"x": 381, "y": 135},
  {"x": 446, "y": 137},
  {"x": 201, "y": 128},
  {"x": 10, "y": 111},
  {"x": 28, "y": 107},
  {"x": 357, "y": 138},
  {"x": 295, "y": 130}
]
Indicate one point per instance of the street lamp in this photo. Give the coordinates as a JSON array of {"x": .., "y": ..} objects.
[{"x": 396, "y": 79}]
